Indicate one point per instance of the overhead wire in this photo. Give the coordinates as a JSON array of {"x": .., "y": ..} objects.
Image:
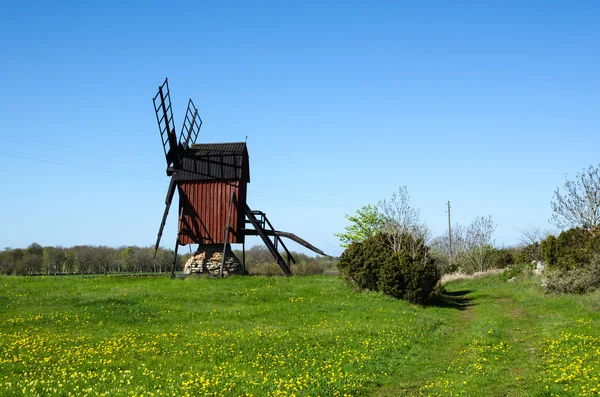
[
  {"x": 79, "y": 166},
  {"x": 59, "y": 147},
  {"x": 48, "y": 160},
  {"x": 112, "y": 172},
  {"x": 77, "y": 151},
  {"x": 101, "y": 156}
]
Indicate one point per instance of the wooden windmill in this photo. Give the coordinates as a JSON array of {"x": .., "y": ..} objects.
[{"x": 211, "y": 180}]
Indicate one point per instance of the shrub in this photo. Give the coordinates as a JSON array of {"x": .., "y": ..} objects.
[
  {"x": 361, "y": 261},
  {"x": 573, "y": 248},
  {"x": 502, "y": 258},
  {"x": 549, "y": 251},
  {"x": 410, "y": 274},
  {"x": 578, "y": 280}
]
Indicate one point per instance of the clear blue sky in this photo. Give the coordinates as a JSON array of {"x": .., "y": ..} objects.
[{"x": 485, "y": 104}]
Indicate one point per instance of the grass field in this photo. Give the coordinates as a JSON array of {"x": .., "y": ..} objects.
[{"x": 303, "y": 336}]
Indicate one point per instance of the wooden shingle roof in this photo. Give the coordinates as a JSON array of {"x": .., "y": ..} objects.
[{"x": 215, "y": 161}]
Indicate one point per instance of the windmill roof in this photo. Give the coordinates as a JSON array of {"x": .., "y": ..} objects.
[
  {"x": 219, "y": 149},
  {"x": 215, "y": 161}
]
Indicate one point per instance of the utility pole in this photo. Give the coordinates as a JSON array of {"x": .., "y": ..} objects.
[{"x": 449, "y": 236}]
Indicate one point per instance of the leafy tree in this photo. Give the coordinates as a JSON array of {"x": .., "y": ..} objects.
[
  {"x": 579, "y": 205},
  {"x": 128, "y": 259},
  {"x": 6, "y": 267},
  {"x": 52, "y": 259},
  {"x": 84, "y": 259},
  {"x": 35, "y": 249},
  {"x": 69, "y": 264},
  {"x": 15, "y": 257},
  {"x": 108, "y": 259},
  {"x": 143, "y": 259},
  {"x": 366, "y": 222},
  {"x": 32, "y": 263},
  {"x": 164, "y": 260},
  {"x": 32, "y": 259}
]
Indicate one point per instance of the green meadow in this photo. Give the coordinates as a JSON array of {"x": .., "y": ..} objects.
[{"x": 296, "y": 336}]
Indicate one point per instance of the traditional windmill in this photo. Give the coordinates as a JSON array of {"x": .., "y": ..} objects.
[{"x": 211, "y": 182}]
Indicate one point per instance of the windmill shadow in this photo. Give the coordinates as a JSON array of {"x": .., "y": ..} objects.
[{"x": 454, "y": 300}]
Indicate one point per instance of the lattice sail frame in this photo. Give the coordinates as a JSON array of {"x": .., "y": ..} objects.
[
  {"x": 191, "y": 126},
  {"x": 166, "y": 124}
]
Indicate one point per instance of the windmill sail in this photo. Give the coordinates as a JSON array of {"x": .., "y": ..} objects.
[
  {"x": 191, "y": 126},
  {"x": 166, "y": 125}
]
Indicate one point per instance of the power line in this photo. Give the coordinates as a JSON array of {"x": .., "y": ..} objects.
[
  {"x": 79, "y": 167},
  {"x": 79, "y": 152},
  {"x": 65, "y": 164},
  {"x": 102, "y": 156}
]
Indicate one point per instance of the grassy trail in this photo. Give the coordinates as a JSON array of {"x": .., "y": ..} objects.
[{"x": 510, "y": 340}]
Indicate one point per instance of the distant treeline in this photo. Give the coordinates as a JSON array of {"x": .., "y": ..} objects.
[
  {"x": 83, "y": 259},
  {"x": 87, "y": 259}
]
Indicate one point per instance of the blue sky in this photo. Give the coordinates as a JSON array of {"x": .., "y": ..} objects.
[{"x": 485, "y": 104}]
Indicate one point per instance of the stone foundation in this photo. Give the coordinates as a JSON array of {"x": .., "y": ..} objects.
[{"x": 207, "y": 260}]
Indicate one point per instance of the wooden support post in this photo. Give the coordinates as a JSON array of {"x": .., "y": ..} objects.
[
  {"x": 226, "y": 234},
  {"x": 244, "y": 256},
  {"x": 175, "y": 257},
  {"x": 177, "y": 241}
]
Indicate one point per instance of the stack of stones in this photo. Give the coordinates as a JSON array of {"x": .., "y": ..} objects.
[{"x": 208, "y": 259}]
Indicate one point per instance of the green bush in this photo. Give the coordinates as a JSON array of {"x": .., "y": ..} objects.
[
  {"x": 411, "y": 273},
  {"x": 502, "y": 258},
  {"x": 572, "y": 249},
  {"x": 574, "y": 281},
  {"x": 549, "y": 254},
  {"x": 361, "y": 261}
]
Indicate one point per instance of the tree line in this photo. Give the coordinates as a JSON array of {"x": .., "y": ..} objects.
[
  {"x": 84, "y": 259},
  {"x": 88, "y": 259}
]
